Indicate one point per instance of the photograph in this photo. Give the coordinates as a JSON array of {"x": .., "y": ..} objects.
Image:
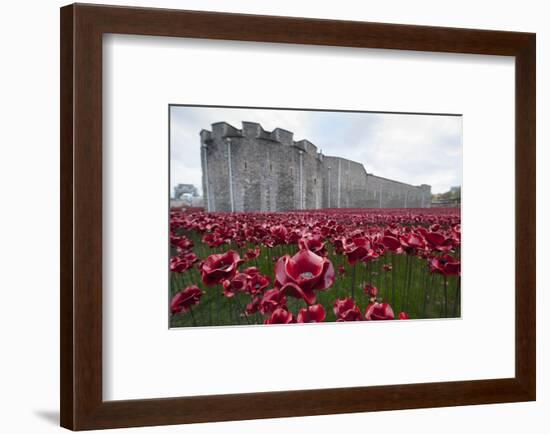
[
  {"x": 250, "y": 217},
  {"x": 282, "y": 216}
]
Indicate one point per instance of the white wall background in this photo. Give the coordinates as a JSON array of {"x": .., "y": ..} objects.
[{"x": 29, "y": 88}]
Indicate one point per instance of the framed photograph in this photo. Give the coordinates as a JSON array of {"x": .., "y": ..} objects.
[
  {"x": 266, "y": 229},
  {"x": 270, "y": 217}
]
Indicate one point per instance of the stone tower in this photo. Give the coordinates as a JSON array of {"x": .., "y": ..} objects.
[{"x": 251, "y": 169}]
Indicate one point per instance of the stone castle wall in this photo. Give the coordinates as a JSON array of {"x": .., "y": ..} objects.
[{"x": 256, "y": 170}]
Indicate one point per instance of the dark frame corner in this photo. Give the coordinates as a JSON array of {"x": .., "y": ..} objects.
[{"x": 82, "y": 27}]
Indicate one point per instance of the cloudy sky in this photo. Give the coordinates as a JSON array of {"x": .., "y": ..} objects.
[{"x": 417, "y": 149}]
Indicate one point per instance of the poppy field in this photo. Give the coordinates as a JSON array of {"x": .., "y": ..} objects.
[{"x": 313, "y": 266}]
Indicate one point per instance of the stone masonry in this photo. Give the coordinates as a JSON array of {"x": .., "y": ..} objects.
[{"x": 256, "y": 170}]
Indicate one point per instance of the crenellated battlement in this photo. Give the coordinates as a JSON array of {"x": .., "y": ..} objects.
[
  {"x": 283, "y": 136},
  {"x": 253, "y": 130}
]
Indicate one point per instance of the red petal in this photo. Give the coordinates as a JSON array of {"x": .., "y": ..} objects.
[
  {"x": 294, "y": 290},
  {"x": 281, "y": 277},
  {"x": 304, "y": 261},
  {"x": 317, "y": 313},
  {"x": 327, "y": 279}
]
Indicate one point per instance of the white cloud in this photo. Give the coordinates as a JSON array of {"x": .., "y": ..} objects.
[{"x": 417, "y": 149}]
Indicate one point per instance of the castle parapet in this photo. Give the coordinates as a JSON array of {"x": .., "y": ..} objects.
[
  {"x": 307, "y": 146},
  {"x": 223, "y": 129},
  {"x": 206, "y": 137},
  {"x": 252, "y": 130},
  {"x": 282, "y": 136}
]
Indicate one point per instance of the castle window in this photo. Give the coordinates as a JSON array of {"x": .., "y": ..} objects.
[
  {"x": 245, "y": 165},
  {"x": 315, "y": 181},
  {"x": 270, "y": 167}
]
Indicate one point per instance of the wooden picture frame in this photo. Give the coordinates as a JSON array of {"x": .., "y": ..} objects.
[{"x": 82, "y": 27}]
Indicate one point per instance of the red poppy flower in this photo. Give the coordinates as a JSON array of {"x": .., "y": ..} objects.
[
  {"x": 346, "y": 310},
  {"x": 252, "y": 254},
  {"x": 370, "y": 290},
  {"x": 280, "y": 316},
  {"x": 379, "y": 311},
  {"x": 315, "y": 313},
  {"x": 213, "y": 240},
  {"x": 456, "y": 233},
  {"x": 239, "y": 283},
  {"x": 304, "y": 273},
  {"x": 258, "y": 282},
  {"x": 182, "y": 242},
  {"x": 219, "y": 267},
  {"x": 313, "y": 244},
  {"x": 412, "y": 241},
  {"x": 392, "y": 243},
  {"x": 338, "y": 244},
  {"x": 342, "y": 269},
  {"x": 293, "y": 236},
  {"x": 279, "y": 234},
  {"x": 271, "y": 300},
  {"x": 403, "y": 315},
  {"x": 446, "y": 265},
  {"x": 253, "y": 306},
  {"x": 438, "y": 241},
  {"x": 183, "y": 300},
  {"x": 182, "y": 263},
  {"x": 359, "y": 248}
]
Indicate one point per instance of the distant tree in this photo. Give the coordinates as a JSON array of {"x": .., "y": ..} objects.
[
  {"x": 453, "y": 195},
  {"x": 185, "y": 189}
]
